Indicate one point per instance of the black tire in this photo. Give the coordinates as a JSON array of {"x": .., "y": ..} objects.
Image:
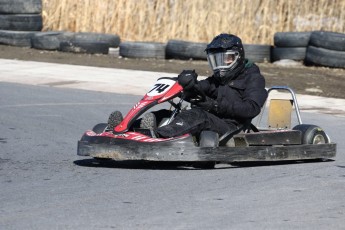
[
  {"x": 177, "y": 49},
  {"x": 21, "y": 6},
  {"x": 293, "y": 53},
  {"x": 100, "y": 128},
  {"x": 142, "y": 50},
  {"x": 258, "y": 53},
  {"x": 112, "y": 40},
  {"x": 21, "y": 22},
  {"x": 291, "y": 39},
  {"x": 16, "y": 38},
  {"x": 50, "y": 40},
  {"x": 328, "y": 40},
  {"x": 115, "y": 118},
  {"x": 324, "y": 57},
  {"x": 85, "y": 47},
  {"x": 312, "y": 134}
]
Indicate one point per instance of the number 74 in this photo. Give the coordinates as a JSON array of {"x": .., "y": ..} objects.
[{"x": 159, "y": 88}]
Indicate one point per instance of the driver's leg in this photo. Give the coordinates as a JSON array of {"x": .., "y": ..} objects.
[
  {"x": 152, "y": 119},
  {"x": 194, "y": 121}
]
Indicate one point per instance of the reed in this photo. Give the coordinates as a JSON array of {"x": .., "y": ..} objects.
[{"x": 255, "y": 21}]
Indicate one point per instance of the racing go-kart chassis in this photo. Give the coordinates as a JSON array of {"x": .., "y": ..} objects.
[{"x": 276, "y": 142}]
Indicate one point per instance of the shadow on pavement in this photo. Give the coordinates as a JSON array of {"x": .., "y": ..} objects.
[
  {"x": 148, "y": 165},
  {"x": 155, "y": 165},
  {"x": 275, "y": 163}
]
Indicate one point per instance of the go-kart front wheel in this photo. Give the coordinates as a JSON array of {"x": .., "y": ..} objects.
[{"x": 100, "y": 128}]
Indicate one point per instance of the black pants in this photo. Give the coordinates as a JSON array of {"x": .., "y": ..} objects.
[{"x": 194, "y": 121}]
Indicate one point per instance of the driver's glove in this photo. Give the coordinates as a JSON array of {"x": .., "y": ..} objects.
[
  {"x": 187, "y": 79},
  {"x": 209, "y": 105}
]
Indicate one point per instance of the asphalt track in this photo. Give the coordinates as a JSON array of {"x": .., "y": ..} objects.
[{"x": 44, "y": 109}]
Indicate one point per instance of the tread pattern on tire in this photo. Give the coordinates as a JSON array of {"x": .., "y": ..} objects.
[
  {"x": 113, "y": 40},
  {"x": 142, "y": 50},
  {"x": 21, "y": 22},
  {"x": 178, "y": 49},
  {"x": 328, "y": 40},
  {"x": 49, "y": 40},
  {"x": 85, "y": 47},
  {"x": 324, "y": 57},
  {"x": 20, "y": 6},
  {"x": 257, "y": 53},
  {"x": 292, "y": 53},
  {"x": 308, "y": 132},
  {"x": 16, "y": 38},
  {"x": 291, "y": 39}
]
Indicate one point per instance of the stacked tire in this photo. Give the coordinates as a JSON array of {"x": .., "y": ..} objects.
[
  {"x": 290, "y": 45},
  {"x": 18, "y": 21},
  {"x": 21, "y": 15},
  {"x": 326, "y": 49},
  {"x": 90, "y": 43},
  {"x": 142, "y": 50},
  {"x": 257, "y": 53},
  {"x": 185, "y": 50}
]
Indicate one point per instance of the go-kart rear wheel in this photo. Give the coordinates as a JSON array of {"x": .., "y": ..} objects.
[
  {"x": 100, "y": 128},
  {"x": 312, "y": 134}
]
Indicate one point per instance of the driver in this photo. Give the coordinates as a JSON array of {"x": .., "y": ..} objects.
[{"x": 234, "y": 93}]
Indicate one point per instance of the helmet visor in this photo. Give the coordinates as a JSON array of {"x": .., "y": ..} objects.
[{"x": 223, "y": 60}]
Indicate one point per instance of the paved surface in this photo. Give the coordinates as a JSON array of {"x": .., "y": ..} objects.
[
  {"x": 120, "y": 81},
  {"x": 45, "y": 185}
]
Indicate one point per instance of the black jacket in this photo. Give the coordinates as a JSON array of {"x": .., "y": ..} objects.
[{"x": 242, "y": 98}]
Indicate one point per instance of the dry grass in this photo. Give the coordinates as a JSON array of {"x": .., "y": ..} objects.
[{"x": 255, "y": 21}]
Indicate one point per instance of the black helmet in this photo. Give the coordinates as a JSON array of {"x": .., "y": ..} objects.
[{"x": 225, "y": 54}]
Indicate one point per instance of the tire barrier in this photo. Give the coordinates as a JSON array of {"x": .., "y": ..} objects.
[
  {"x": 290, "y": 45},
  {"x": 292, "y": 53},
  {"x": 177, "y": 49},
  {"x": 112, "y": 40},
  {"x": 49, "y": 40},
  {"x": 291, "y": 39},
  {"x": 184, "y": 50},
  {"x": 62, "y": 41},
  {"x": 20, "y": 6},
  {"x": 89, "y": 47},
  {"x": 21, "y": 15},
  {"x": 21, "y": 22},
  {"x": 91, "y": 43},
  {"x": 324, "y": 57},
  {"x": 16, "y": 38},
  {"x": 142, "y": 50},
  {"x": 257, "y": 53},
  {"x": 328, "y": 40},
  {"x": 326, "y": 49}
]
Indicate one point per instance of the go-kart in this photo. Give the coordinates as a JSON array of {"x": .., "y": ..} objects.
[{"x": 277, "y": 141}]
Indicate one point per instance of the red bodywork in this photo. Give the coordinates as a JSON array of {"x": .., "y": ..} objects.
[{"x": 163, "y": 90}]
